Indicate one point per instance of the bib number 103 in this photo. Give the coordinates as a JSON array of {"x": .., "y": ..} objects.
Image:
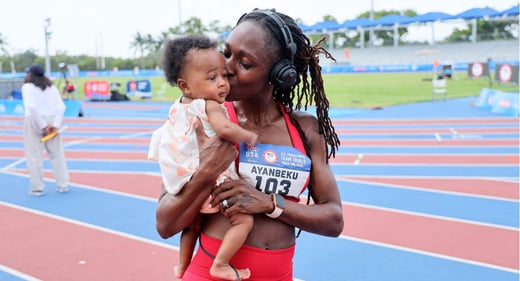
[{"x": 273, "y": 185}]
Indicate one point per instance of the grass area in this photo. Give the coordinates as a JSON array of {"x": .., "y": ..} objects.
[
  {"x": 384, "y": 89},
  {"x": 355, "y": 90}
]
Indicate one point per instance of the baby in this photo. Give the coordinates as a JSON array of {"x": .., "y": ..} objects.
[{"x": 194, "y": 64}]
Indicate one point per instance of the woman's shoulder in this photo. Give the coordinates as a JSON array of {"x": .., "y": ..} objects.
[{"x": 305, "y": 119}]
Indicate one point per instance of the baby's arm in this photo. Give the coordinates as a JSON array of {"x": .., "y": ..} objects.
[{"x": 226, "y": 129}]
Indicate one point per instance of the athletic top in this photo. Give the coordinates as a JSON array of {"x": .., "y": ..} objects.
[{"x": 274, "y": 168}]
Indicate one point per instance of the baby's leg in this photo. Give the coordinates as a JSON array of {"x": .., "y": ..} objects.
[
  {"x": 234, "y": 238},
  {"x": 187, "y": 245}
]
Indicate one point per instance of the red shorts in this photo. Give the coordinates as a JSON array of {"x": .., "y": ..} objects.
[{"x": 265, "y": 265}]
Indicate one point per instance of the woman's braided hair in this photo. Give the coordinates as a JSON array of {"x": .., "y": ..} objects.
[{"x": 306, "y": 62}]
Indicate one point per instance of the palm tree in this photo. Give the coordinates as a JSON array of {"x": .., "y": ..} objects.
[
  {"x": 3, "y": 43},
  {"x": 139, "y": 45},
  {"x": 154, "y": 46}
]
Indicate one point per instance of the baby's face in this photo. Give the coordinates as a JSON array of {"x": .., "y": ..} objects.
[{"x": 206, "y": 75}]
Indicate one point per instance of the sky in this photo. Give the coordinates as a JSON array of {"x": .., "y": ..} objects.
[{"x": 107, "y": 27}]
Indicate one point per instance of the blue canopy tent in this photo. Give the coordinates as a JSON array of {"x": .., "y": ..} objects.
[
  {"x": 305, "y": 28},
  {"x": 473, "y": 15},
  {"x": 476, "y": 13},
  {"x": 359, "y": 25},
  {"x": 431, "y": 18},
  {"x": 356, "y": 23},
  {"x": 392, "y": 20},
  {"x": 326, "y": 27},
  {"x": 223, "y": 35},
  {"x": 511, "y": 12}
]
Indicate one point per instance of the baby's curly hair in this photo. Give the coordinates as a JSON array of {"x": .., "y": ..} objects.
[{"x": 174, "y": 56}]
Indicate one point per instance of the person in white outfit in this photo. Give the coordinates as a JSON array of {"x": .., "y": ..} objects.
[{"x": 44, "y": 110}]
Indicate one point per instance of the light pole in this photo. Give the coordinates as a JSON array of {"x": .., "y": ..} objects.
[
  {"x": 47, "y": 37},
  {"x": 371, "y": 34},
  {"x": 180, "y": 16}
]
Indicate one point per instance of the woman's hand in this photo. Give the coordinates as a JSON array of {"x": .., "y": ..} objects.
[
  {"x": 49, "y": 130},
  {"x": 241, "y": 198}
]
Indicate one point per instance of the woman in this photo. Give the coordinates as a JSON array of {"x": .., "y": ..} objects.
[
  {"x": 44, "y": 111},
  {"x": 268, "y": 60}
]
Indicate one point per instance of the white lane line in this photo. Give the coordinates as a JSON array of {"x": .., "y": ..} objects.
[{"x": 358, "y": 159}]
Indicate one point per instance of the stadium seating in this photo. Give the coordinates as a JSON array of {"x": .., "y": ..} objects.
[{"x": 504, "y": 50}]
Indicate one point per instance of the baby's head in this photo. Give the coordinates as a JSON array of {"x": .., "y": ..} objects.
[{"x": 194, "y": 64}]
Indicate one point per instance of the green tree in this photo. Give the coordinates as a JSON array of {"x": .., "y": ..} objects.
[
  {"x": 486, "y": 30},
  {"x": 3, "y": 44},
  {"x": 139, "y": 45}
]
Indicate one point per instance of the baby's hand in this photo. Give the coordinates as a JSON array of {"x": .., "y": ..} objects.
[{"x": 253, "y": 139}]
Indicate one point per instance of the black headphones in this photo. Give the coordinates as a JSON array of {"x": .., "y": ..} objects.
[{"x": 283, "y": 74}]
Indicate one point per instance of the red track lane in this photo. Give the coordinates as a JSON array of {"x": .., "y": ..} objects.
[
  {"x": 416, "y": 131},
  {"x": 92, "y": 139},
  {"x": 97, "y": 155},
  {"x": 134, "y": 184},
  {"x": 481, "y": 187},
  {"x": 390, "y": 122},
  {"x": 89, "y": 120},
  {"x": 50, "y": 249},
  {"x": 427, "y": 159},
  {"x": 88, "y": 129},
  {"x": 443, "y": 142},
  {"x": 131, "y": 107},
  {"x": 477, "y": 243}
]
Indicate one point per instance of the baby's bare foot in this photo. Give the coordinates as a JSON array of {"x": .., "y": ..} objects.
[{"x": 225, "y": 271}]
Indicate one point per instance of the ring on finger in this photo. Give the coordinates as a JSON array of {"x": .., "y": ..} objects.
[{"x": 225, "y": 203}]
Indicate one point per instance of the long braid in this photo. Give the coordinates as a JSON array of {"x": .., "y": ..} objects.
[{"x": 305, "y": 93}]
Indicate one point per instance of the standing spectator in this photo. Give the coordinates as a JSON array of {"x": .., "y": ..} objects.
[{"x": 44, "y": 111}]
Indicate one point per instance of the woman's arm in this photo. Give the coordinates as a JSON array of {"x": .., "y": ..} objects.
[
  {"x": 325, "y": 215},
  {"x": 176, "y": 212}
]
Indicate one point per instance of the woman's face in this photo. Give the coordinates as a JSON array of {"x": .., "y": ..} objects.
[{"x": 247, "y": 61}]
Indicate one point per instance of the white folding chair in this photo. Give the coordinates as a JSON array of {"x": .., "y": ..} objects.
[{"x": 439, "y": 88}]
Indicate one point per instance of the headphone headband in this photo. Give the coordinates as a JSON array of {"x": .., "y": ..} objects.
[
  {"x": 286, "y": 32},
  {"x": 283, "y": 74}
]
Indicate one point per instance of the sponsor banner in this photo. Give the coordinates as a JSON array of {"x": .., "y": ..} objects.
[
  {"x": 139, "y": 88},
  {"x": 478, "y": 69},
  {"x": 96, "y": 90},
  {"x": 506, "y": 73}
]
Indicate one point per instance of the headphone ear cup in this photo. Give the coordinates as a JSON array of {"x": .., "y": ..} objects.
[{"x": 284, "y": 74}]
